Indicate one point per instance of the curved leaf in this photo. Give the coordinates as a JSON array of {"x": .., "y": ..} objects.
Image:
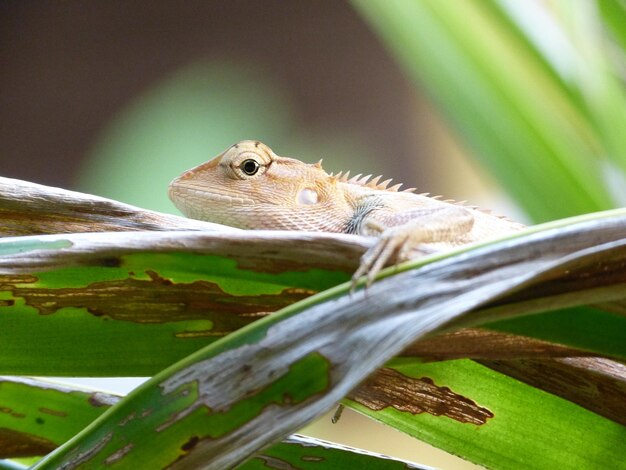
[
  {"x": 27, "y": 425},
  {"x": 266, "y": 380},
  {"x": 31, "y": 209},
  {"x": 37, "y": 416},
  {"x": 151, "y": 298},
  {"x": 491, "y": 419}
]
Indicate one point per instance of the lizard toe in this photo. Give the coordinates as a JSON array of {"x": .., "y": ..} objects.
[
  {"x": 386, "y": 251},
  {"x": 367, "y": 262}
]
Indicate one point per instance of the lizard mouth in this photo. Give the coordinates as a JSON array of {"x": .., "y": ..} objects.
[{"x": 191, "y": 193}]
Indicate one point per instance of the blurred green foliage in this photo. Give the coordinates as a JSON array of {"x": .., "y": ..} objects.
[{"x": 549, "y": 126}]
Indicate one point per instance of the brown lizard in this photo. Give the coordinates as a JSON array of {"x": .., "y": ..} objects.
[{"x": 249, "y": 186}]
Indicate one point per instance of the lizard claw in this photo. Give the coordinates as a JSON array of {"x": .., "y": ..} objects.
[
  {"x": 393, "y": 247},
  {"x": 390, "y": 247}
]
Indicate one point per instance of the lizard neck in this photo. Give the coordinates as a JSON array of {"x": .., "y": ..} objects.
[{"x": 360, "y": 201}]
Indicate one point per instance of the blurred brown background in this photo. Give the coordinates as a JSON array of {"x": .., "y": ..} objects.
[{"x": 68, "y": 68}]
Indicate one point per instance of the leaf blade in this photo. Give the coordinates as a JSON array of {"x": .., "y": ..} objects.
[{"x": 224, "y": 393}]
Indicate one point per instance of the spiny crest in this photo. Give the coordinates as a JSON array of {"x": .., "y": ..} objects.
[{"x": 369, "y": 182}]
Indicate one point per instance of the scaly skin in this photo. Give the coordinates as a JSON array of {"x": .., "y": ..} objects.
[{"x": 249, "y": 186}]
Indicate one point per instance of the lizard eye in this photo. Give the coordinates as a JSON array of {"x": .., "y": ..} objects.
[{"x": 250, "y": 167}]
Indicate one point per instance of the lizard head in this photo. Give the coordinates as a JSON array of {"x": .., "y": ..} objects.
[{"x": 249, "y": 182}]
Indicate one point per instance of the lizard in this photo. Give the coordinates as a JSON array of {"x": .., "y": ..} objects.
[{"x": 248, "y": 186}]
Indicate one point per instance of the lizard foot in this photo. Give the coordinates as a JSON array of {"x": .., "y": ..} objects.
[{"x": 394, "y": 247}]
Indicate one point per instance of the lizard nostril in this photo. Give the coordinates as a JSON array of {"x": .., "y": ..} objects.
[{"x": 308, "y": 196}]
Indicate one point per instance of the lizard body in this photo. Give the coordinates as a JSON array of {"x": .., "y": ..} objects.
[{"x": 249, "y": 186}]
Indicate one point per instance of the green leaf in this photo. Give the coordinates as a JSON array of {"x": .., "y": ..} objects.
[
  {"x": 134, "y": 303},
  {"x": 154, "y": 298},
  {"x": 269, "y": 378},
  {"x": 588, "y": 328},
  {"x": 596, "y": 76},
  {"x": 614, "y": 16},
  {"x": 501, "y": 423},
  {"x": 307, "y": 453},
  {"x": 37, "y": 412},
  {"x": 39, "y": 415}
]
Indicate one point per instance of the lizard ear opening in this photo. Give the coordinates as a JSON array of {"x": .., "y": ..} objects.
[{"x": 307, "y": 197}]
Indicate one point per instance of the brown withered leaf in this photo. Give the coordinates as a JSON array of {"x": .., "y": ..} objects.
[
  {"x": 388, "y": 388},
  {"x": 33, "y": 209},
  {"x": 481, "y": 343}
]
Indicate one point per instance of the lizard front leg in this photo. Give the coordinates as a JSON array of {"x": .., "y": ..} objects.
[{"x": 403, "y": 233}]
